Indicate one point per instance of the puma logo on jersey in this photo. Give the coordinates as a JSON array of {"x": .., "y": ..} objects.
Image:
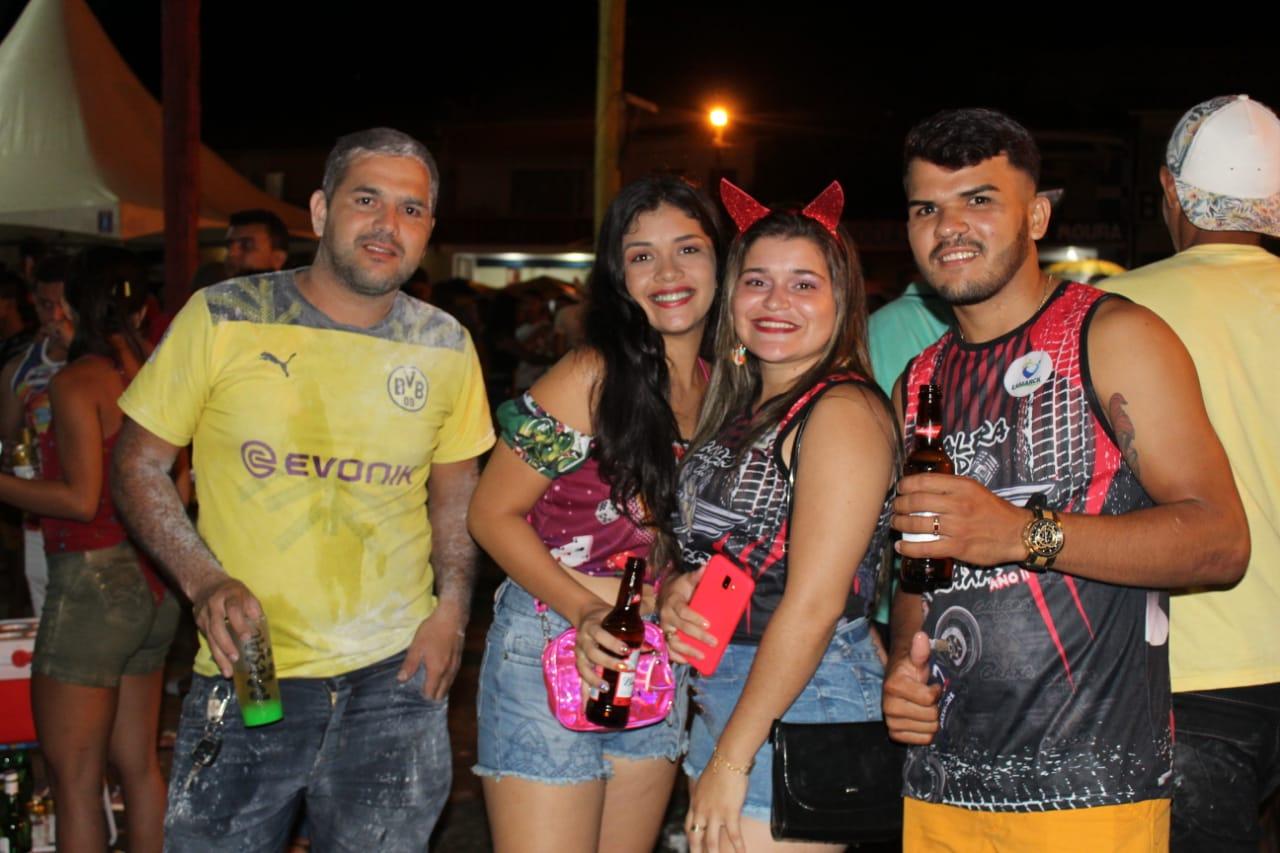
[{"x": 283, "y": 365}]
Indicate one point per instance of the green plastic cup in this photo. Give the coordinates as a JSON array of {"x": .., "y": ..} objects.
[{"x": 257, "y": 688}]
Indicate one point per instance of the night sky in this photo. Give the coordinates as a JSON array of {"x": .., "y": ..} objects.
[
  {"x": 839, "y": 94},
  {"x": 280, "y": 72}
]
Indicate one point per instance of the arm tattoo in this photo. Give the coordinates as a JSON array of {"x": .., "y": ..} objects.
[
  {"x": 1122, "y": 426},
  {"x": 453, "y": 553},
  {"x": 148, "y": 504}
]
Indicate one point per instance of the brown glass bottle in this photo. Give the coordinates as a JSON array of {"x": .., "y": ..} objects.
[
  {"x": 612, "y": 707},
  {"x": 925, "y": 574}
]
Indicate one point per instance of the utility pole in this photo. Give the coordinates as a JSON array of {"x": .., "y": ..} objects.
[
  {"x": 180, "y": 25},
  {"x": 610, "y": 104}
]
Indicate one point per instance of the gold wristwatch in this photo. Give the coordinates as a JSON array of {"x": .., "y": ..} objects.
[{"x": 1043, "y": 536}]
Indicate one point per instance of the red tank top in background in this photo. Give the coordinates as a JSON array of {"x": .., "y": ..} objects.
[{"x": 63, "y": 535}]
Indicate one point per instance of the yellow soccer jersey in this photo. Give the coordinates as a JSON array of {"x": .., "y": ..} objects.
[{"x": 312, "y": 446}]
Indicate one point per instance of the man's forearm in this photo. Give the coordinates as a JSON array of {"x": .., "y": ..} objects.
[
  {"x": 453, "y": 553},
  {"x": 152, "y": 511},
  {"x": 1184, "y": 544}
]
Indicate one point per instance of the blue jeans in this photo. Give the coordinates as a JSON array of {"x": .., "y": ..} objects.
[
  {"x": 844, "y": 689},
  {"x": 1226, "y": 762},
  {"x": 367, "y": 755},
  {"x": 518, "y": 735}
]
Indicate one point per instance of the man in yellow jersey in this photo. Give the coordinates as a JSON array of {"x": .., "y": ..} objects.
[
  {"x": 1221, "y": 294},
  {"x": 336, "y": 424}
]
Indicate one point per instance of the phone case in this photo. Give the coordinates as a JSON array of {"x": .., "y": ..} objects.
[{"x": 721, "y": 598}]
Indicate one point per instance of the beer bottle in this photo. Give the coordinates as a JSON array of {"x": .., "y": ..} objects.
[
  {"x": 17, "y": 829},
  {"x": 611, "y": 708},
  {"x": 24, "y": 456},
  {"x": 926, "y": 574}
]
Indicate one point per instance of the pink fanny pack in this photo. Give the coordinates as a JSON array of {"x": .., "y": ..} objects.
[{"x": 655, "y": 685}]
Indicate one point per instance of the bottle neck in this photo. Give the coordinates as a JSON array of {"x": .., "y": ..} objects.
[
  {"x": 928, "y": 429},
  {"x": 631, "y": 590}
]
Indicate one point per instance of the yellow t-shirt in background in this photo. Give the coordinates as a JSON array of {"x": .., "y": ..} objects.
[
  {"x": 313, "y": 442},
  {"x": 1223, "y": 300}
]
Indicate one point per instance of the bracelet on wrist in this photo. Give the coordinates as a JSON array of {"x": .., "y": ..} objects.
[{"x": 718, "y": 760}]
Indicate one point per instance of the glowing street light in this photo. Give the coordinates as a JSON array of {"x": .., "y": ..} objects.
[{"x": 719, "y": 120}]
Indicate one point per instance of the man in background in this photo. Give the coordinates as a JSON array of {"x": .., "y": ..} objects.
[{"x": 1220, "y": 187}]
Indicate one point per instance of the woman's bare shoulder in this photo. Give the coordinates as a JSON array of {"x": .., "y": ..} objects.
[
  {"x": 567, "y": 390},
  {"x": 92, "y": 375}
]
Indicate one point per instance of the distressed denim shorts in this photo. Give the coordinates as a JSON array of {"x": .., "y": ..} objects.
[
  {"x": 519, "y": 736},
  {"x": 100, "y": 620},
  {"x": 368, "y": 756},
  {"x": 844, "y": 689}
]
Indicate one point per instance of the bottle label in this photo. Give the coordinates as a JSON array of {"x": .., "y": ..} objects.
[
  {"x": 627, "y": 680},
  {"x": 929, "y": 431},
  {"x": 921, "y": 537}
]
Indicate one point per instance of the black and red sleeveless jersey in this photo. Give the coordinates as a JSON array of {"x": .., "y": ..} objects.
[
  {"x": 1055, "y": 688},
  {"x": 736, "y": 501}
]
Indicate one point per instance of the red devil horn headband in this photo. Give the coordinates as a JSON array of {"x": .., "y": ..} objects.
[{"x": 746, "y": 211}]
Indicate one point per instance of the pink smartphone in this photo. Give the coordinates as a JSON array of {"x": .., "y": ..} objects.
[{"x": 721, "y": 598}]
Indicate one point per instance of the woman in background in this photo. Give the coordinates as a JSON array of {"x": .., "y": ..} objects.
[{"x": 107, "y": 620}]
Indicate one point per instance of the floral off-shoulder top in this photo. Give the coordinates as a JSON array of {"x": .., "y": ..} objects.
[{"x": 581, "y": 527}]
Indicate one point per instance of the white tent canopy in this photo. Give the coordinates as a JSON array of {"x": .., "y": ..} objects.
[{"x": 81, "y": 138}]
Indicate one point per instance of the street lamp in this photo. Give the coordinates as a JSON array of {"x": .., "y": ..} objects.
[{"x": 719, "y": 119}]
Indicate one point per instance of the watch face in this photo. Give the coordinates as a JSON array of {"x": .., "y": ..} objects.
[{"x": 1044, "y": 537}]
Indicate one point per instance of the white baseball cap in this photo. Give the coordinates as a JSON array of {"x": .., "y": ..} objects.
[{"x": 1225, "y": 159}]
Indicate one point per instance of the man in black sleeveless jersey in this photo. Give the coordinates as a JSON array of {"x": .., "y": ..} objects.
[{"x": 1088, "y": 479}]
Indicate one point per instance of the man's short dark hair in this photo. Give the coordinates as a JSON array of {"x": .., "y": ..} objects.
[
  {"x": 52, "y": 269},
  {"x": 278, "y": 234},
  {"x": 958, "y": 139},
  {"x": 377, "y": 140}
]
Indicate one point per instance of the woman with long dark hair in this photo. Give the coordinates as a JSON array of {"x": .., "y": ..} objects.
[
  {"x": 583, "y": 479},
  {"x": 790, "y": 360},
  {"x": 107, "y": 620}
]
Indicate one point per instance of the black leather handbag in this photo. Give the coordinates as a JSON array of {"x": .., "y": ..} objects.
[{"x": 836, "y": 782}]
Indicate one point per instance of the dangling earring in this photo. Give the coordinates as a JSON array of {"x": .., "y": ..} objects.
[{"x": 740, "y": 355}]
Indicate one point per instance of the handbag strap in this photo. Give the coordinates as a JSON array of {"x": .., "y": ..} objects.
[{"x": 801, "y": 423}]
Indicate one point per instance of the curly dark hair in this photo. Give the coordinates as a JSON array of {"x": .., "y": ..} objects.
[
  {"x": 957, "y": 139},
  {"x": 633, "y": 423}
]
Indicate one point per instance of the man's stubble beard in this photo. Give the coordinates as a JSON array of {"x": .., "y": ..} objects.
[
  {"x": 1007, "y": 264},
  {"x": 355, "y": 279}
]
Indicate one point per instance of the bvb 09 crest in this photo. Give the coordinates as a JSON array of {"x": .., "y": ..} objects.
[{"x": 408, "y": 388}]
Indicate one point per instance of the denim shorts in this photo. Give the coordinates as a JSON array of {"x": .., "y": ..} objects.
[
  {"x": 519, "y": 736},
  {"x": 100, "y": 619},
  {"x": 367, "y": 755},
  {"x": 844, "y": 689}
]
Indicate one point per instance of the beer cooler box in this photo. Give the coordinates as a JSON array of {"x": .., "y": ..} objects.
[{"x": 17, "y": 640}]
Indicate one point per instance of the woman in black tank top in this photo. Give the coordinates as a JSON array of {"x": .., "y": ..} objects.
[{"x": 790, "y": 349}]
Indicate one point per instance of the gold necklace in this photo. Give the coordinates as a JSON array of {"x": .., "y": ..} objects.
[{"x": 1046, "y": 290}]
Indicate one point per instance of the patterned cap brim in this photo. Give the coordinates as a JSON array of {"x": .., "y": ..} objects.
[{"x": 1214, "y": 212}]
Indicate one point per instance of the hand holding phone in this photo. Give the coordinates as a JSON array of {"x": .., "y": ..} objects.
[{"x": 721, "y": 598}]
